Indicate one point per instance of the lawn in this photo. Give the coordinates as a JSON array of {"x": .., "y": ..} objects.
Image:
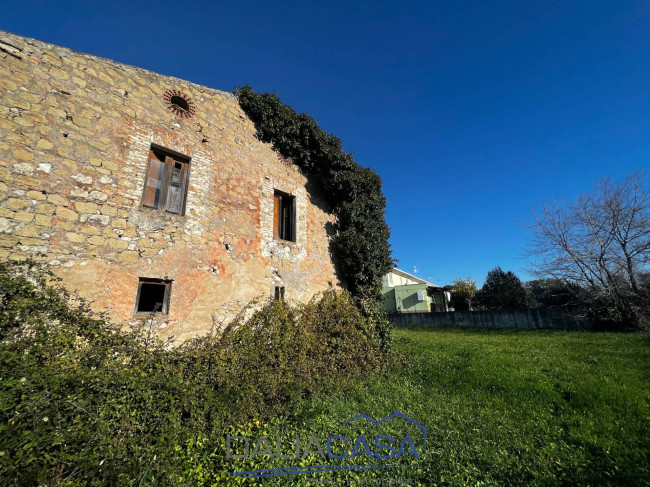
[{"x": 501, "y": 407}]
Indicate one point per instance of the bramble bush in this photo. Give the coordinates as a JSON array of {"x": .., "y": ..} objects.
[{"x": 85, "y": 402}]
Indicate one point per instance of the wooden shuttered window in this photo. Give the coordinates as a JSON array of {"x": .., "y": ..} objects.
[
  {"x": 166, "y": 183},
  {"x": 153, "y": 184},
  {"x": 292, "y": 223},
  {"x": 284, "y": 217},
  {"x": 277, "y": 210},
  {"x": 176, "y": 186}
]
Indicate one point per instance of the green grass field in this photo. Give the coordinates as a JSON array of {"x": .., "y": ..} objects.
[{"x": 506, "y": 408}]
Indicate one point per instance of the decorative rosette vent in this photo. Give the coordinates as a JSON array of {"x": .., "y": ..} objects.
[{"x": 179, "y": 103}]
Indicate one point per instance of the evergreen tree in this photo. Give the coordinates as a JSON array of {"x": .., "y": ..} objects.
[{"x": 503, "y": 290}]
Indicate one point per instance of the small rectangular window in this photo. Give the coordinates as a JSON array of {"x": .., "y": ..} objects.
[
  {"x": 279, "y": 293},
  {"x": 284, "y": 217},
  {"x": 153, "y": 296},
  {"x": 165, "y": 186}
]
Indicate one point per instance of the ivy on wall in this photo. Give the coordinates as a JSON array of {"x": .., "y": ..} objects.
[{"x": 360, "y": 244}]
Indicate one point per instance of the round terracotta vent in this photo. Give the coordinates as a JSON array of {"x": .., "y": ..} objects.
[{"x": 179, "y": 103}]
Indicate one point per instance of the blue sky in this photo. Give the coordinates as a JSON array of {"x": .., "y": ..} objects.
[{"x": 472, "y": 112}]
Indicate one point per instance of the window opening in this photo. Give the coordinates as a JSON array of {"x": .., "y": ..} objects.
[
  {"x": 284, "y": 217},
  {"x": 279, "y": 293},
  {"x": 166, "y": 182},
  {"x": 153, "y": 296}
]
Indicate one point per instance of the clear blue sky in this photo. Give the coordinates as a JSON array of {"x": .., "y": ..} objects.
[{"x": 472, "y": 112}]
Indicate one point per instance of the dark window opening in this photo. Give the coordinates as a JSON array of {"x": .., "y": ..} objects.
[
  {"x": 284, "y": 217},
  {"x": 279, "y": 293},
  {"x": 165, "y": 186},
  {"x": 153, "y": 296}
]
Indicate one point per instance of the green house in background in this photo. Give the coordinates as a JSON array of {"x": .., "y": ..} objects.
[{"x": 406, "y": 293}]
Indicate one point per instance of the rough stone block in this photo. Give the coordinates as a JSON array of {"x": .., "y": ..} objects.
[
  {"x": 17, "y": 204},
  {"x": 57, "y": 200},
  {"x": 9, "y": 241},
  {"x": 75, "y": 237},
  {"x": 23, "y": 155},
  {"x": 116, "y": 243},
  {"x": 97, "y": 240},
  {"x": 44, "y": 144},
  {"x": 24, "y": 216},
  {"x": 5, "y": 213},
  {"x": 35, "y": 195},
  {"x": 89, "y": 230},
  {"x": 44, "y": 220},
  {"x": 98, "y": 195},
  {"x": 129, "y": 256},
  {"x": 108, "y": 210},
  {"x": 45, "y": 209},
  {"x": 30, "y": 231},
  {"x": 27, "y": 181},
  {"x": 66, "y": 213},
  {"x": 83, "y": 207}
]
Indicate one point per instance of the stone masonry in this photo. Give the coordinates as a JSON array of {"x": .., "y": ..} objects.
[{"x": 75, "y": 136}]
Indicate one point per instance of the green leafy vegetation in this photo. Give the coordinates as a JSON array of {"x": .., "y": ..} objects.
[
  {"x": 463, "y": 291},
  {"x": 354, "y": 192},
  {"x": 85, "y": 403}
]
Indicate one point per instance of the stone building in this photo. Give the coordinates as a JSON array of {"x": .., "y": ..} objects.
[{"x": 145, "y": 191}]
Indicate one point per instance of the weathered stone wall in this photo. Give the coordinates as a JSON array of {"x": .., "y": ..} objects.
[{"x": 75, "y": 134}]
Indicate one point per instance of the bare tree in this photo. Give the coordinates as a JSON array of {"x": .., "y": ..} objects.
[{"x": 601, "y": 243}]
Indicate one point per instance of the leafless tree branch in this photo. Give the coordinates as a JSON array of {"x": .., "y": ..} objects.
[{"x": 601, "y": 243}]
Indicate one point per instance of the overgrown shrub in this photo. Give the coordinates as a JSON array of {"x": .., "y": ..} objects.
[
  {"x": 284, "y": 353},
  {"x": 83, "y": 402}
]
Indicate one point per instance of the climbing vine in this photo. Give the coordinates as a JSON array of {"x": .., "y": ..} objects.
[{"x": 360, "y": 244}]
